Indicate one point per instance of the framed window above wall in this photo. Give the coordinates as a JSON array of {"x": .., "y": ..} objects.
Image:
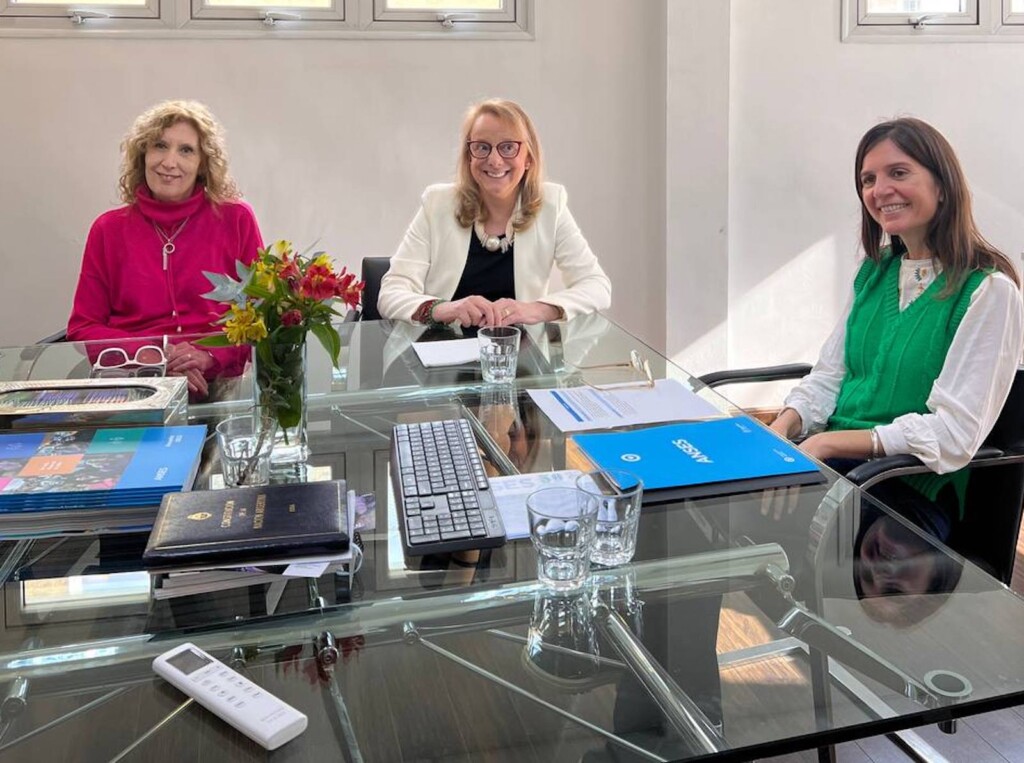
[
  {"x": 503, "y": 19},
  {"x": 932, "y": 20},
  {"x": 448, "y": 13},
  {"x": 90, "y": 9}
]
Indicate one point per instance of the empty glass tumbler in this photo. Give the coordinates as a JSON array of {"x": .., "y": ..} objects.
[
  {"x": 562, "y": 521},
  {"x": 619, "y": 494},
  {"x": 499, "y": 353}
]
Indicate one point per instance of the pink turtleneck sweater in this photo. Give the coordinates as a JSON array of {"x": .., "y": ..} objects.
[{"x": 123, "y": 289}]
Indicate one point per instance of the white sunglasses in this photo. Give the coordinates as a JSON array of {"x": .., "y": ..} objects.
[{"x": 115, "y": 363}]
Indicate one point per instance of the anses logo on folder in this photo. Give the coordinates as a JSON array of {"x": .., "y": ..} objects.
[{"x": 697, "y": 453}]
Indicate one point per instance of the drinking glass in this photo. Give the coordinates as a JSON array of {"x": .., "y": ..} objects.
[
  {"x": 499, "y": 351},
  {"x": 619, "y": 494},
  {"x": 562, "y": 523},
  {"x": 245, "y": 443}
]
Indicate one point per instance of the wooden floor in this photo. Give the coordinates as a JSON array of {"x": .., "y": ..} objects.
[{"x": 988, "y": 738}]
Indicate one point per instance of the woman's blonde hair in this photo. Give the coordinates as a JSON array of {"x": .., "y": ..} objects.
[
  {"x": 468, "y": 205},
  {"x": 149, "y": 126}
]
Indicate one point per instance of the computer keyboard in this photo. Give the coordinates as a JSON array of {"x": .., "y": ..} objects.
[{"x": 445, "y": 503}]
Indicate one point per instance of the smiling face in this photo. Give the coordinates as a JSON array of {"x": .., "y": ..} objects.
[
  {"x": 900, "y": 194},
  {"x": 172, "y": 163},
  {"x": 497, "y": 177}
]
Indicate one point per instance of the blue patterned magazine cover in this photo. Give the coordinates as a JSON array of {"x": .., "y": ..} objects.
[
  {"x": 702, "y": 457},
  {"x": 97, "y": 468}
]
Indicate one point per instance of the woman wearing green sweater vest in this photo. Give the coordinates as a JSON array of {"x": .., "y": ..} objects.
[{"x": 922, "y": 360}]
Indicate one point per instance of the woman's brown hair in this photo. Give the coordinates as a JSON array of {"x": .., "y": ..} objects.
[{"x": 952, "y": 234}]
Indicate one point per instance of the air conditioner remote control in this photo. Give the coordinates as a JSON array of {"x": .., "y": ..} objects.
[{"x": 252, "y": 710}]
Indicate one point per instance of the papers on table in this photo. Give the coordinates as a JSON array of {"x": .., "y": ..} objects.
[
  {"x": 577, "y": 409},
  {"x": 451, "y": 352},
  {"x": 510, "y": 494}
]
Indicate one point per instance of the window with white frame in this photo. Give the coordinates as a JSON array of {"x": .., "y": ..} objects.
[
  {"x": 440, "y": 18},
  {"x": 940, "y": 20},
  {"x": 78, "y": 12}
]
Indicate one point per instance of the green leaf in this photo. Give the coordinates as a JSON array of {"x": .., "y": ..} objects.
[
  {"x": 225, "y": 288},
  {"x": 254, "y": 289},
  {"x": 216, "y": 340},
  {"x": 329, "y": 339}
]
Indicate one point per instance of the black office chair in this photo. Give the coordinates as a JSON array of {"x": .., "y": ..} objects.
[
  {"x": 373, "y": 271},
  {"x": 995, "y": 493}
]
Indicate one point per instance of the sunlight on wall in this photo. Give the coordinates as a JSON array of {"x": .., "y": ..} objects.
[{"x": 765, "y": 327}]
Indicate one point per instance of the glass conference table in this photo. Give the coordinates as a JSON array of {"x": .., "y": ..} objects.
[{"x": 749, "y": 624}]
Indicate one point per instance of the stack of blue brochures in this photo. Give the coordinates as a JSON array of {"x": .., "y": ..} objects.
[
  {"x": 97, "y": 468},
  {"x": 705, "y": 457}
]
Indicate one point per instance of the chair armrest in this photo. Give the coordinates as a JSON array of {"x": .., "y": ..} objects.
[
  {"x": 352, "y": 316},
  {"x": 60, "y": 336},
  {"x": 766, "y": 373},
  {"x": 880, "y": 469}
]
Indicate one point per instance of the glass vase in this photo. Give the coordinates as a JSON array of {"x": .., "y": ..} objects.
[{"x": 281, "y": 394}]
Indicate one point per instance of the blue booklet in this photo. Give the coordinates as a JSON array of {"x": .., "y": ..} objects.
[
  {"x": 704, "y": 457},
  {"x": 97, "y": 468}
]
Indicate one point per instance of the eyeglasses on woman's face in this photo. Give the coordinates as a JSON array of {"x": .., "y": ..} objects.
[{"x": 507, "y": 149}]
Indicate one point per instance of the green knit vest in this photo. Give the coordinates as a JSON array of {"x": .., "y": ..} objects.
[{"x": 893, "y": 358}]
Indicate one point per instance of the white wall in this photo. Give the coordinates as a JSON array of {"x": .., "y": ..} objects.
[
  {"x": 697, "y": 183},
  {"x": 800, "y": 101},
  {"x": 333, "y": 140}
]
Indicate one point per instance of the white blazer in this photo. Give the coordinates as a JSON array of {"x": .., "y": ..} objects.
[{"x": 430, "y": 260}]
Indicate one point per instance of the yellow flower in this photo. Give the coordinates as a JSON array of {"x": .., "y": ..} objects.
[
  {"x": 263, "y": 275},
  {"x": 244, "y": 325},
  {"x": 324, "y": 260},
  {"x": 281, "y": 248}
]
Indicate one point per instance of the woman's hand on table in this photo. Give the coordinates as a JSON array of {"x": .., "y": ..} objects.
[
  {"x": 513, "y": 311},
  {"x": 469, "y": 311},
  {"x": 192, "y": 362}
]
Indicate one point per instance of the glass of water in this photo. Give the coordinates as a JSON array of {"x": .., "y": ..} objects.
[
  {"x": 562, "y": 521},
  {"x": 245, "y": 443},
  {"x": 499, "y": 351},
  {"x": 619, "y": 494}
]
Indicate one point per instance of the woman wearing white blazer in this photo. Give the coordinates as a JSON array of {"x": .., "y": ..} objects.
[{"x": 480, "y": 250}]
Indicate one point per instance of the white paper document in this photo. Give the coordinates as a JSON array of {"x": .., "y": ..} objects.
[
  {"x": 510, "y": 494},
  {"x": 578, "y": 409},
  {"x": 451, "y": 352}
]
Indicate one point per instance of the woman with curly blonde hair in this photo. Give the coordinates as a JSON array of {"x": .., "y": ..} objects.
[
  {"x": 480, "y": 251},
  {"x": 142, "y": 270}
]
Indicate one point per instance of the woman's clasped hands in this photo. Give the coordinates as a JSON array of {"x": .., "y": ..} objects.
[
  {"x": 480, "y": 311},
  {"x": 192, "y": 362}
]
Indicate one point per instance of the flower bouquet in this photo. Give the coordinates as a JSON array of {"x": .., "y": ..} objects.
[{"x": 276, "y": 301}]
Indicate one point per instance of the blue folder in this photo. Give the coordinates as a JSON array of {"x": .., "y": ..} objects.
[{"x": 699, "y": 458}]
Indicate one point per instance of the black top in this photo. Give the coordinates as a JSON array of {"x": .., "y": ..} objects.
[{"x": 490, "y": 275}]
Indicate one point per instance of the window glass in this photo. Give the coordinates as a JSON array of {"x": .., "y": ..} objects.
[
  {"x": 444, "y": 5},
  {"x": 273, "y": 4},
  {"x": 81, "y": 4},
  {"x": 917, "y": 6}
]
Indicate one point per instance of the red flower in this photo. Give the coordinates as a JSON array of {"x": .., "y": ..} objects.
[
  {"x": 319, "y": 283},
  {"x": 292, "y": 318},
  {"x": 348, "y": 289},
  {"x": 289, "y": 270}
]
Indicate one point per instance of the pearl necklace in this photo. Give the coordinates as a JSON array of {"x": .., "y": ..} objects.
[{"x": 494, "y": 243}]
